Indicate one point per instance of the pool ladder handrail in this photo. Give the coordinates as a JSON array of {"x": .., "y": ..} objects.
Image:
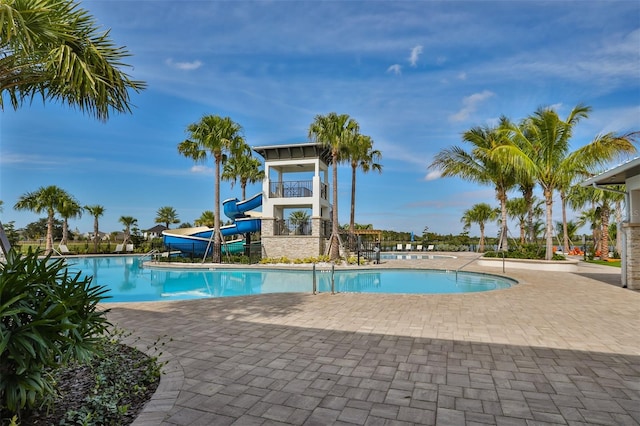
[{"x": 466, "y": 264}]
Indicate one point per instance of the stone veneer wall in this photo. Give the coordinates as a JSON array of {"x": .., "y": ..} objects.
[
  {"x": 292, "y": 246},
  {"x": 633, "y": 254}
]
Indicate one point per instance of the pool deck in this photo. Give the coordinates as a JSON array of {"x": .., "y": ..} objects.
[{"x": 559, "y": 348}]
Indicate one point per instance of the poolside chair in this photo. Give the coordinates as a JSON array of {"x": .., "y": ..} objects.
[
  {"x": 64, "y": 250},
  {"x": 129, "y": 248},
  {"x": 419, "y": 247},
  {"x": 119, "y": 248},
  {"x": 408, "y": 247},
  {"x": 399, "y": 247},
  {"x": 430, "y": 247}
]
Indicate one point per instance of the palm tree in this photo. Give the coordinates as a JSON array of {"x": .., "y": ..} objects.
[
  {"x": 480, "y": 165},
  {"x": 207, "y": 218},
  {"x": 70, "y": 208},
  {"x": 57, "y": 51},
  {"x": 45, "y": 199},
  {"x": 217, "y": 137},
  {"x": 360, "y": 154},
  {"x": 128, "y": 222},
  {"x": 244, "y": 168},
  {"x": 299, "y": 218},
  {"x": 540, "y": 150},
  {"x": 96, "y": 211},
  {"x": 335, "y": 132},
  {"x": 480, "y": 213},
  {"x": 167, "y": 215},
  {"x": 517, "y": 208}
]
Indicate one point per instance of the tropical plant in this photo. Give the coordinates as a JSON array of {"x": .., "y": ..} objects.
[
  {"x": 517, "y": 208},
  {"x": 244, "y": 168},
  {"x": 480, "y": 165},
  {"x": 56, "y": 50},
  {"x": 207, "y": 218},
  {"x": 540, "y": 150},
  {"x": 359, "y": 153},
  {"x": 96, "y": 211},
  {"x": 128, "y": 222},
  {"x": 70, "y": 208},
  {"x": 166, "y": 216},
  {"x": 335, "y": 132},
  {"x": 216, "y": 137},
  {"x": 46, "y": 199},
  {"x": 48, "y": 317},
  {"x": 299, "y": 218},
  {"x": 480, "y": 213}
]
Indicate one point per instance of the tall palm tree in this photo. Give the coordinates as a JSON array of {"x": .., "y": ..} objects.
[
  {"x": 541, "y": 150},
  {"x": 480, "y": 213},
  {"x": 69, "y": 208},
  {"x": 167, "y": 215},
  {"x": 207, "y": 218},
  {"x": 480, "y": 165},
  {"x": 244, "y": 168},
  {"x": 96, "y": 211},
  {"x": 45, "y": 199},
  {"x": 359, "y": 153},
  {"x": 128, "y": 222},
  {"x": 217, "y": 137},
  {"x": 334, "y": 131},
  {"x": 56, "y": 50}
]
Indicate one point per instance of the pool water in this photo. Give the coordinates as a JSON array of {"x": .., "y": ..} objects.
[{"x": 128, "y": 281}]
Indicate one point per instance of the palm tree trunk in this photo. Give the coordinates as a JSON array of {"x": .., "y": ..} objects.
[
  {"x": 522, "y": 232},
  {"x": 527, "y": 194},
  {"x": 504, "y": 243},
  {"x": 604, "y": 217},
  {"x": 334, "y": 247},
  {"x": 565, "y": 233},
  {"x": 481, "y": 244},
  {"x": 65, "y": 231},
  {"x": 618, "y": 224},
  {"x": 548, "y": 200},
  {"x": 49, "y": 243},
  {"x": 352, "y": 218},
  {"x": 217, "y": 241},
  {"x": 95, "y": 234}
]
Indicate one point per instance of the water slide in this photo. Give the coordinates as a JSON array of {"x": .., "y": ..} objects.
[{"x": 196, "y": 240}]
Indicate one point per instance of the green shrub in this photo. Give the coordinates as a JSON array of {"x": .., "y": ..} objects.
[
  {"x": 526, "y": 251},
  {"x": 48, "y": 317}
]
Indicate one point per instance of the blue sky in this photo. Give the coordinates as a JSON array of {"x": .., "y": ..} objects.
[{"x": 414, "y": 74}]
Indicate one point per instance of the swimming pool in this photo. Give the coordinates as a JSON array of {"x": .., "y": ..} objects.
[{"x": 128, "y": 281}]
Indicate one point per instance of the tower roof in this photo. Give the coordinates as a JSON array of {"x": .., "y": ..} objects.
[{"x": 295, "y": 151}]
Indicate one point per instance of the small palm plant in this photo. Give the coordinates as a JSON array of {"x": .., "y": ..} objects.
[{"x": 299, "y": 219}]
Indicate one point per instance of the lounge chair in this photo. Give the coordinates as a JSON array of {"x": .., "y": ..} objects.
[
  {"x": 119, "y": 248},
  {"x": 430, "y": 247},
  {"x": 408, "y": 247},
  {"x": 129, "y": 248},
  {"x": 399, "y": 247},
  {"x": 419, "y": 247},
  {"x": 64, "y": 250}
]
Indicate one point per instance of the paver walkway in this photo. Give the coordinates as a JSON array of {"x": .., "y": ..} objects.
[{"x": 559, "y": 348}]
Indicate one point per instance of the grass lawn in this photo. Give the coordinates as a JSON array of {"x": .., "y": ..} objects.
[{"x": 615, "y": 263}]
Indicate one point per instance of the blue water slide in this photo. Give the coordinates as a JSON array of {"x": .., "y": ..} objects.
[{"x": 235, "y": 209}]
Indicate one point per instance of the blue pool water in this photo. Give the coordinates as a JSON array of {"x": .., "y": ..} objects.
[{"x": 128, "y": 281}]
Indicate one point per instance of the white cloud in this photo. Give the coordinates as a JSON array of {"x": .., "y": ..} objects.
[
  {"x": 201, "y": 169},
  {"x": 184, "y": 66},
  {"x": 470, "y": 105},
  {"x": 415, "y": 53},
  {"x": 462, "y": 76},
  {"x": 395, "y": 69},
  {"x": 433, "y": 175}
]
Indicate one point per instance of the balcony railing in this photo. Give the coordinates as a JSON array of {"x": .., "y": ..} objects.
[
  {"x": 296, "y": 189},
  {"x": 292, "y": 227}
]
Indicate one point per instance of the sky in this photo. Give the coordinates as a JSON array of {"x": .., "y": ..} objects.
[{"x": 414, "y": 74}]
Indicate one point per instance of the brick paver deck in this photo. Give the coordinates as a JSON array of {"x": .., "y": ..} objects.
[{"x": 558, "y": 348}]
